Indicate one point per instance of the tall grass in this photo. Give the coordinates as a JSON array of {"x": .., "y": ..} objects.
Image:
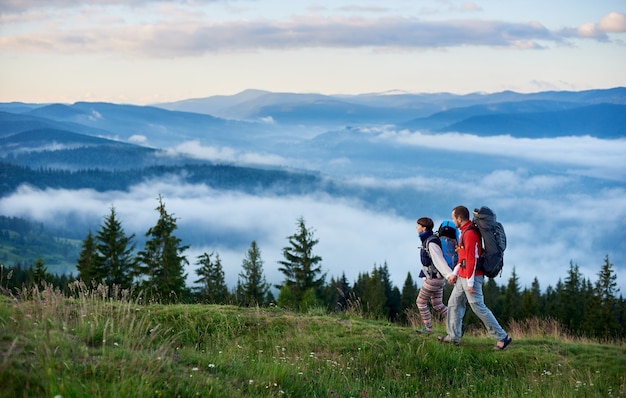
[{"x": 103, "y": 343}]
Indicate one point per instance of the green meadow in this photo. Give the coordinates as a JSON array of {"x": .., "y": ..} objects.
[{"x": 93, "y": 345}]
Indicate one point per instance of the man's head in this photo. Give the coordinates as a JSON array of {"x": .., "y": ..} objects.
[{"x": 460, "y": 215}]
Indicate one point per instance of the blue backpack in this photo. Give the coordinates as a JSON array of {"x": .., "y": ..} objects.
[{"x": 448, "y": 235}]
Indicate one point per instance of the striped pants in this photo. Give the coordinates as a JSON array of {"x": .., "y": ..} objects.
[{"x": 432, "y": 289}]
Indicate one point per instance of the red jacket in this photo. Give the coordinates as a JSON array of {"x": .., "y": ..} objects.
[{"x": 469, "y": 249}]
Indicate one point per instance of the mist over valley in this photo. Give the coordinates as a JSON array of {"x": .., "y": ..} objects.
[{"x": 359, "y": 169}]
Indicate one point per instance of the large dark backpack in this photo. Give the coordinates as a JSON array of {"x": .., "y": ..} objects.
[{"x": 493, "y": 239}]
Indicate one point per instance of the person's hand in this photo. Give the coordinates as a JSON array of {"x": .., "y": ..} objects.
[
  {"x": 470, "y": 290},
  {"x": 451, "y": 279}
]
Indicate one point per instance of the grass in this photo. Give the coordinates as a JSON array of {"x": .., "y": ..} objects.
[{"x": 92, "y": 345}]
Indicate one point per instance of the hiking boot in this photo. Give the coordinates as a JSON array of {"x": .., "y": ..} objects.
[{"x": 448, "y": 340}]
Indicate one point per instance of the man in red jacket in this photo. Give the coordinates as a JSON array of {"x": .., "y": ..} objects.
[{"x": 468, "y": 286}]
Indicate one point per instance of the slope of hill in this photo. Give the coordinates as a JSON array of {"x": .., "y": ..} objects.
[
  {"x": 227, "y": 351},
  {"x": 23, "y": 241}
]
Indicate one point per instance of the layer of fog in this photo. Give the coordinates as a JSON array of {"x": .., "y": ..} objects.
[
  {"x": 560, "y": 199},
  {"x": 576, "y": 155},
  {"x": 544, "y": 234}
]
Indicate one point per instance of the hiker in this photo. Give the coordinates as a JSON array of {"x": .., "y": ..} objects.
[
  {"x": 434, "y": 271},
  {"x": 468, "y": 286}
]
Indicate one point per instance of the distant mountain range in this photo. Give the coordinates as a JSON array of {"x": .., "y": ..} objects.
[
  {"x": 528, "y": 115},
  {"x": 116, "y": 136}
]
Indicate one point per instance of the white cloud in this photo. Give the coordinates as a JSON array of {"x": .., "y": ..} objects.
[
  {"x": 138, "y": 138},
  {"x": 545, "y": 231},
  {"x": 196, "y": 150},
  {"x": 614, "y": 22},
  {"x": 191, "y": 36},
  {"x": 598, "y": 157}
]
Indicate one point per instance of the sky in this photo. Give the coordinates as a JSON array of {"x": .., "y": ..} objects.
[{"x": 150, "y": 51}]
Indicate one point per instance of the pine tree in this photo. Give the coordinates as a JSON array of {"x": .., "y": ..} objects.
[
  {"x": 494, "y": 297},
  {"x": 88, "y": 262},
  {"x": 252, "y": 289},
  {"x": 376, "y": 299},
  {"x": 606, "y": 319},
  {"x": 338, "y": 293},
  {"x": 115, "y": 253},
  {"x": 512, "y": 299},
  {"x": 39, "y": 273},
  {"x": 571, "y": 301},
  {"x": 300, "y": 267},
  {"x": 214, "y": 289},
  {"x": 531, "y": 301},
  {"x": 407, "y": 297},
  {"x": 162, "y": 261},
  {"x": 392, "y": 293}
]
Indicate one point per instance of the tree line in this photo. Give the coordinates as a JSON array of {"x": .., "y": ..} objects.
[{"x": 109, "y": 257}]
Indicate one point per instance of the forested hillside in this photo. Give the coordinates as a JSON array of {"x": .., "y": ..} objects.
[
  {"x": 23, "y": 242},
  {"x": 246, "y": 179}
]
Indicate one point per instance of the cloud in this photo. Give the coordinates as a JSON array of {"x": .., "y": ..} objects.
[
  {"x": 548, "y": 223},
  {"x": 614, "y": 22},
  {"x": 196, "y": 150},
  {"x": 138, "y": 138},
  {"x": 194, "y": 36},
  {"x": 471, "y": 6},
  {"x": 594, "y": 156}
]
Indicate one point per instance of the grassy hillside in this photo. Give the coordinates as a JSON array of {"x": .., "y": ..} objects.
[{"x": 93, "y": 346}]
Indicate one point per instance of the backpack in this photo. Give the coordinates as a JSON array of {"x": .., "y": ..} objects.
[
  {"x": 493, "y": 239},
  {"x": 448, "y": 235},
  {"x": 446, "y": 238}
]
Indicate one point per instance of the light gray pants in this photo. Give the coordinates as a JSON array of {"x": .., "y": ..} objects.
[{"x": 457, "y": 305}]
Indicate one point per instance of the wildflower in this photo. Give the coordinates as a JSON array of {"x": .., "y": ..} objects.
[
  {"x": 195, "y": 369},
  {"x": 211, "y": 365},
  {"x": 250, "y": 381}
]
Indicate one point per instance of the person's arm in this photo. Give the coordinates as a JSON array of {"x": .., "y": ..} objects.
[
  {"x": 436, "y": 254},
  {"x": 471, "y": 241}
]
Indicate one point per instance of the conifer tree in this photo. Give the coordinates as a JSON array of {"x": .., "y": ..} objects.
[
  {"x": 372, "y": 294},
  {"x": 338, "y": 293},
  {"x": 531, "y": 301},
  {"x": 114, "y": 253},
  {"x": 88, "y": 262},
  {"x": 572, "y": 299},
  {"x": 392, "y": 293},
  {"x": 39, "y": 273},
  {"x": 512, "y": 299},
  {"x": 604, "y": 311},
  {"x": 252, "y": 289},
  {"x": 408, "y": 297},
  {"x": 162, "y": 261},
  {"x": 213, "y": 286},
  {"x": 300, "y": 266}
]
